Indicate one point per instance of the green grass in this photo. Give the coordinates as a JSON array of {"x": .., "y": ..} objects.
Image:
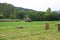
[{"x": 32, "y": 31}]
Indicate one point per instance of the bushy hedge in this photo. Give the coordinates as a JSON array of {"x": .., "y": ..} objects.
[
  {"x": 1, "y": 17},
  {"x": 28, "y": 20},
  {"x": 9, "y": 20}
]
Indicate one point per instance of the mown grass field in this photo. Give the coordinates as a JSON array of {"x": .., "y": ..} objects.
[{"x": 32, "y": 31}]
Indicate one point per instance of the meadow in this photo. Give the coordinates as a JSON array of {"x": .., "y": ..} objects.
[{"x": 31, "y": 31}]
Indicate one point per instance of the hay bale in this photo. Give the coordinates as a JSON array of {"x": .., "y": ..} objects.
[
  {"x": 58, "y": 27},
  {"x": 19, "y": 27},
  {"x": 47, "y": 26}
]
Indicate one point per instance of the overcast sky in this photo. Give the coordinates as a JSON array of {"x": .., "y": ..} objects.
[{"x": 40, "y": 5}]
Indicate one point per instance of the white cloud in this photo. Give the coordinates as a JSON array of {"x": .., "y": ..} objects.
[{"x": 35, "y": 4}]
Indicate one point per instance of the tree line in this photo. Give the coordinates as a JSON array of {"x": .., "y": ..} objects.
[{"x": 9, "y": 11}]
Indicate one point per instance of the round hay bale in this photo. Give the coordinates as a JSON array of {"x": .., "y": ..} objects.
[
  {"x": 47, "y": 25},
  {"x": 19, "y": 27}
]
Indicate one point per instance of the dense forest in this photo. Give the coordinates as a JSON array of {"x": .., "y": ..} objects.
[{"x": 9, "y": 11}]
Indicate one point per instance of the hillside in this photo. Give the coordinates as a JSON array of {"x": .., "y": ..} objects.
[{"x": 24, "y": 9}]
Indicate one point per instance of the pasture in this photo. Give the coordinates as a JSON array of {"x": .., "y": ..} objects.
[{"x": 31, "y": 31}]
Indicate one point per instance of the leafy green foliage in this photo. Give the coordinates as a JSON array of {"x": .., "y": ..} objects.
[
  {"x": 53, "y": 16},
  {"x": 1, "y": 17},
  {"x": 8, "y": 11},
  {"x": 20, "y": 15}
]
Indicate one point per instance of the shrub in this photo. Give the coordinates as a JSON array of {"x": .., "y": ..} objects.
[
  {"x": 1, "y": 17},
  {"x": 9, "y": 20},
  {"x": 28, "y": 20},
  {"x": 12, "y": 17}
]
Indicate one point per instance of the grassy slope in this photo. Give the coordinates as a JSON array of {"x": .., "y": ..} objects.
[{"x": 31, "y": 31}]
